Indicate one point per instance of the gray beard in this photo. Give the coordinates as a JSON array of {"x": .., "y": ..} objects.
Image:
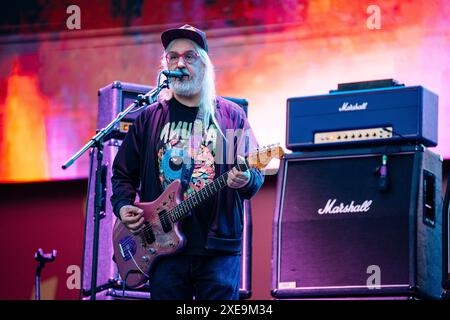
[{"x": 187, "y": 88}]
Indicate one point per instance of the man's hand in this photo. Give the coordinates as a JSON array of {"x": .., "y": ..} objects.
[
  {"x": 132, "y": 218},
  {"x": 238, "y": 179}
]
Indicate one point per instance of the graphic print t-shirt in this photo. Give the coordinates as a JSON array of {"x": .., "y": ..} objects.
[{"x": 178, "y": 147}]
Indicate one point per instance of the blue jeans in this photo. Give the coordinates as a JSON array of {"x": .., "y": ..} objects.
[{"x": 182, "y": 277}]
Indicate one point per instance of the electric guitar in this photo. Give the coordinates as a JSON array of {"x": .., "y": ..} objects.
[{"x": 161, "y": 235}]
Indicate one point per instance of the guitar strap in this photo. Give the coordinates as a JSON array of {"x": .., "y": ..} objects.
[{"x": 188, "y": 168}]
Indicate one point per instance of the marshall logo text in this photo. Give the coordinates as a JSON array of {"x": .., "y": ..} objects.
[
  {"x": 331, "y": 208},
  {"x": 353, "y": 107}
]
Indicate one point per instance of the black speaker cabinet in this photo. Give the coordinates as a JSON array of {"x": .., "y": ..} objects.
[
  {"x": 113, "y": 99},
  {"x": 342, "y": 229}
]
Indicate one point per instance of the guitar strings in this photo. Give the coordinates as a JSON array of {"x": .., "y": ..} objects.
[{"x": 181, "y": 206}]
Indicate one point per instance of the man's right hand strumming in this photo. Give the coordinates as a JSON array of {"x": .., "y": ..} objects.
[{"x": 132, "y": 218}]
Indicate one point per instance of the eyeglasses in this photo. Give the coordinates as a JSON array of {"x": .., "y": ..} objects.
[{"x": 188, "y": 57}]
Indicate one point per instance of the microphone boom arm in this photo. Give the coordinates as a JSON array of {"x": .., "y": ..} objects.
[{"x": 142, "y": 100}]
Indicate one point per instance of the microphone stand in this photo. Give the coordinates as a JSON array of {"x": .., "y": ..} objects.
[
  {"x": 42, "y": 258},
  {"x": 97, "y": 143}
]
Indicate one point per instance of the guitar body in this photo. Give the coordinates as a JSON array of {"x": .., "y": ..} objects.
[{"x": 136, "y": 254}]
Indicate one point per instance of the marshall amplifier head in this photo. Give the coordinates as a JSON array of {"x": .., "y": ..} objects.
[
  {"x": 359, "y": 223},
  {"x": 374, "y": 116}
]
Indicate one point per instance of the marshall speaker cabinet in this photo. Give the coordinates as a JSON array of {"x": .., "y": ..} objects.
[
  {"x": 359, "y": 223},
  {"x": 113, "y": 99}
]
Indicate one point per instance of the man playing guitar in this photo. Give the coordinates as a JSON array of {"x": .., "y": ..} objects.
[{"x": 193, "y": 138}]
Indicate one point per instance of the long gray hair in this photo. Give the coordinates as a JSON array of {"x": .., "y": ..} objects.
[{"x": 208, "y": 92}]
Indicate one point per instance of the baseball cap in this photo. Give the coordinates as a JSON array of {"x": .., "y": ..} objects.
[{"x": 185, "y": 32}]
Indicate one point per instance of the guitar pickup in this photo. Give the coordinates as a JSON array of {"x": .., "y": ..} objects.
[
  {"x": 149, "y": 236},
  {"x": 165, "y": 221}
]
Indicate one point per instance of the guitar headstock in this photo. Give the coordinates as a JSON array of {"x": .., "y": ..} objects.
[{"x": 261, "y": 157}]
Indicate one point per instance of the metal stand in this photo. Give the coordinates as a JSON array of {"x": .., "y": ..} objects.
[{"x": 42, "y": 258}]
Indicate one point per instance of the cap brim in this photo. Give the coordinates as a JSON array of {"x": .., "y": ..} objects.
[{"x": 172, "y": 34}]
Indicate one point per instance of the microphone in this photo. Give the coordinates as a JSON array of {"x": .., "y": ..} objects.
[
  {"x": 174, "y": 73},
  {"x": 383, "y": 182}
]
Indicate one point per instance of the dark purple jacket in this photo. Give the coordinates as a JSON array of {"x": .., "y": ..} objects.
[{"x": 136, "y": 168}]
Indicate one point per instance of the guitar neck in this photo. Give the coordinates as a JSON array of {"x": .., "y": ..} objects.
[{"x": 183, "y": 209}]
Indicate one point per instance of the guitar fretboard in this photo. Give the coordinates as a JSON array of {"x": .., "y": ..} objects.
[{"x": 182, "y": 210}]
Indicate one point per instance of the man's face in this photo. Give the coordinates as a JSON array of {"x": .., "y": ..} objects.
[{"x": 183, "y": 56}]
